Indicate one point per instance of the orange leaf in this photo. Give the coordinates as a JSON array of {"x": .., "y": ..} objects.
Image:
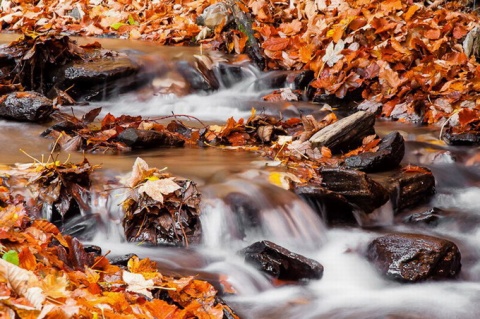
[
  {"x": 27, "y": 259},
  {"x": 414, "y": 168},
  {"x": 459, "y": 31},
  {"x": 238, "y": 138},
  {"x": 137, "y": 265},
  {"x": 467, "y": 116},
  {"x": 306, "y": 53},
  {"x": 411, "y": 11},
  {"x": 433, "y": 34},
  {"x": 326, "y": 152},
  {"x": 276, "y": 44}
]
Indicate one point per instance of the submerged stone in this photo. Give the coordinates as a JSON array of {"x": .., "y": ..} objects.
[
  {"x": 281, "y": 263},
  {"x": 346, "y": 133},
  {"x": 431, "y": 217},
  {"x": 25, "y": 106},
  {"x": 414, "y": 257}
]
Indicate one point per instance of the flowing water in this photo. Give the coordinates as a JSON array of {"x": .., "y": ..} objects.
[{"x": 350, "y": 287}]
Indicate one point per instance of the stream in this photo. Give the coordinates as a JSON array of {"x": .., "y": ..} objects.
[{"x": 350, "y": 287}]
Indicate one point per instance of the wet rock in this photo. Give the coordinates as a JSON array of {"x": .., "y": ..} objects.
[
  {"x": 346, "y": 133},
  {"x": 333, "y": 208},
  {"x": 246, "y": 212},
  {"x": 136, "y": 138},
  {"x": 281, "y": 263},
  {"x": 408, "y": 187},
  {"x": 230, "y": 75},
  {"x": 121, "y": 260},
  {"x": 99, "y": 78},
  {"x": 359, "y": 189},
  {"x": 469, "y": 138},
  {"x": 97, "y": 250},
  {"x": 83, "y": 227},
  {"x": 299, "y": 80},
  {"x": 198, "y": 77},
  {"x": 25, "y": 106},
  {"x": 414, "y": 257},
  {"x": 431, "y": 217},
  {"x": 388, "y": 156},
  {"x": 271, "y": 80}
]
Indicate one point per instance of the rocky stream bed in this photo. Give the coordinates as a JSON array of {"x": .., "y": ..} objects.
[{"x": 318, "y": 192}]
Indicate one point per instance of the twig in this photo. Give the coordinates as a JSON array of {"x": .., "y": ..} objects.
[
  {"x": 446, "y": 122},
  {"x": 180, "y": 115}
]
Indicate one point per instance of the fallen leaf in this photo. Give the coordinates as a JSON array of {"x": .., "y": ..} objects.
[
  {"x": 332, "y": 54},
  {"x": 157, "y": 188},
  {"x": 137, "y": 283}
]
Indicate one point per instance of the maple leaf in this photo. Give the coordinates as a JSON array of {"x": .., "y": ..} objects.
[
  {"x": 159, "y": 187},
  {"x": 332, "y": 54}
]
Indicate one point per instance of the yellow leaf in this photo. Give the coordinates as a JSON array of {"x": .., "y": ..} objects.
[
  {"x": 283, "y": 179},
  {"x": 55, "y": 286}
]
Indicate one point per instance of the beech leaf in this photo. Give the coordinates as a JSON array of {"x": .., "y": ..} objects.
[{"x": 23, "y": 282}]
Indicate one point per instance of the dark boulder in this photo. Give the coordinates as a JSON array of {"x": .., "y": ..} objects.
[
  {"x": 469, "y": 138},
  {"x": 246, "y": 213},
  {"x": 198, "y": 76},
  {"x": 229, "y": 75},
  {"x": 299, "y": 80},
  {"x": 281, "y": 263},
  {"x": 271, "y": 80},
  {"x": 389, "y": 155},
  {"x": 346, "y": 133},
  {"x": 359, "y": 189},
  {"x": 408, "y": 187},
  {"x": 333, "y": 208},
  {"x": 136, "y": 138},
  {"x": 25, "y": 106},
  {"x": 414, "y": 257},
  {"x": 99, "y": 78}
]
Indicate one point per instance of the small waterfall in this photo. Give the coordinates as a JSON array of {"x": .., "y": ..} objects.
[{"x": 239, "y": 211}]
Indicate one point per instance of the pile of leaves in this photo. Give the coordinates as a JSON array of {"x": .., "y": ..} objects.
[
  {"x": 411, "y": 61},
  {"x": 45, "y": 274},
  {"x": 31, "y": 60},
  {"x": 160, "y": 208},
  {"x": 166, "y": 22},
  {"x": 116, "y": 134}
]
